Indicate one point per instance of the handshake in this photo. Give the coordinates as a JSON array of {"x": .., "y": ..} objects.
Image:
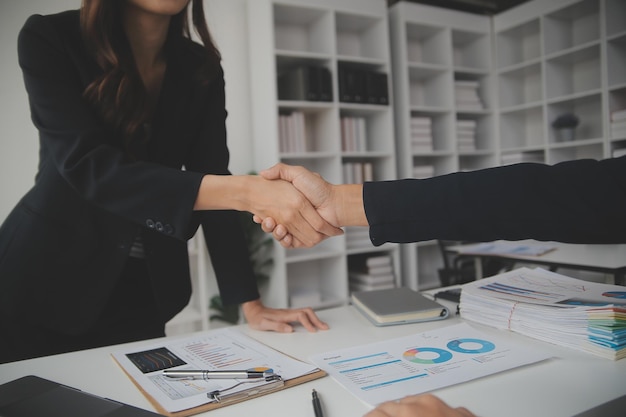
[{"x": 318, "y": 214}]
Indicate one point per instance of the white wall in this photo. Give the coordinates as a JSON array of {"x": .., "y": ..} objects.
[{"x": 18, "y": 137}]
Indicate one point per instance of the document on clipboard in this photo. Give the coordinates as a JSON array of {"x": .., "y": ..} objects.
[{"x": 216, "y": 350}]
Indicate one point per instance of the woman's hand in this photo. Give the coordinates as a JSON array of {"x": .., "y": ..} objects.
[
  {"x": 425, "y": 405},
  {"x": 278, "y": 200},
  {"x": 260, "y": 317}
]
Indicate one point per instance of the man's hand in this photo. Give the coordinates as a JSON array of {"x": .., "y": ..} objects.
[
  {"x": 317, "y": 190},
  {"x": 426, "y": 405}
]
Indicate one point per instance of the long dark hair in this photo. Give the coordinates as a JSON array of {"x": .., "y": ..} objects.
[{"x": 119, "y": 94}]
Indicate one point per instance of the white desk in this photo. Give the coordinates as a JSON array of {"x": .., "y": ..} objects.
[
  {"x": 609, "y": 259},
  {"x": 570, "y": 383}
]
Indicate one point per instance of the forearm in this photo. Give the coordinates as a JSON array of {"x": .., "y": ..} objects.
[
  {"x": 349, "y": 204},
  {"x": 225, "y": 192}
]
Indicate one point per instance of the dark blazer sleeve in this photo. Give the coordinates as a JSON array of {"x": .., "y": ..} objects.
[
  {"x": 222, "y": 229},
  {"x": 581, "y": 201}
]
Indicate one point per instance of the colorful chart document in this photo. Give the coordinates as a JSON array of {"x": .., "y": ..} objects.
[{"x": 422, "y": 362}]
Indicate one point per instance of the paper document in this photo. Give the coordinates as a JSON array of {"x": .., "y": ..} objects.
[
  {"x": 224, "y": 349},
  {"x": 422, "y": 362}
]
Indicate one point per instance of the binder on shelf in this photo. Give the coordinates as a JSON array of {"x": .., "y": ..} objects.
[
  {"x": 376, "y": 87},
  {"x": 306, "y": 83},
  {"x": 357, "y": 85}
]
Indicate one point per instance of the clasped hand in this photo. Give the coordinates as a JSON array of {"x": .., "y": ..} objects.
[{"x": 337, "y": 205}]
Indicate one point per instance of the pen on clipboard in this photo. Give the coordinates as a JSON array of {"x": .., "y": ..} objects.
[
  {"x": 317, "y": 405},
  {"x": 206, "y": 375}
]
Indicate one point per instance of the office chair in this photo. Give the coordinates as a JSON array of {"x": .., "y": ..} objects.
[{"x": 460, "y": 269}]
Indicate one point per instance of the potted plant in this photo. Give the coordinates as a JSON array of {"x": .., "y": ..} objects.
[{"x": 565, "y": 126}]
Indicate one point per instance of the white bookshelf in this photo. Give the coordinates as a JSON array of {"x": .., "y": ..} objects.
[
  {"x": 440, "y": 58},
  {"x": 534, "y": 63},
  {"x": 558, "y": 57},
  {"x": 283, "y": 35}
]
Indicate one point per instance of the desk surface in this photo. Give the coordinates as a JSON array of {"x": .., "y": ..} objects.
[
  {"x": 605, "y": 256},
  {"x": 567, "y": 384}
]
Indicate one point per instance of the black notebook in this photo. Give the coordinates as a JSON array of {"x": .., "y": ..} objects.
[
  {"x": 32, "y": 396},
  {"x": 397, "y": 306}
]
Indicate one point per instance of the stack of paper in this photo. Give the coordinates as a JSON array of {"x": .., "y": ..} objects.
[{"x": 583, "y": 315}]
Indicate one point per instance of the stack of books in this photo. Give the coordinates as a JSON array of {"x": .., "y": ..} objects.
[
  {"x": 619, "y": 152},
  {"x": 582, "y": 315},
  {"x": 357, "y": 172},
  {"x": 466, "y": 95},
  {"x": 519, "y": 157},
  {"x": 292, "y": 132},
  {"x": 357, "y": 237},
  {"x": 618, "y": 124},
  {"x": 353, "y": 134},
  {"x": 373, "y": 272},
  {"x": 466, "y": 135},
  {"x": 421, "y": 134},
  {"x": 423, "y": 171}
]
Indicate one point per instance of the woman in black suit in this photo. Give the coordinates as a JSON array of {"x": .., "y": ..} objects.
[{"x": 96, "y": 252}]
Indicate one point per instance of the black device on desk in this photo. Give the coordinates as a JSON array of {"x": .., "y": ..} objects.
[
  {"x": 453, "y": 294},
  {"x": 33, "y": 396}
]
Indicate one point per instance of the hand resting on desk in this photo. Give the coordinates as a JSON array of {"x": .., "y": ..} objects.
[{"x": 425, "y": 405}]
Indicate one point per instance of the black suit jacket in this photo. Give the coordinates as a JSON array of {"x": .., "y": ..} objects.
[
  {"x": 581, "y": 201},
  {"x": 64, "y": 245}
]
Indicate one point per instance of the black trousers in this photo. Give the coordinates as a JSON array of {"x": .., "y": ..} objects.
[{"x": 131, "y": 314}]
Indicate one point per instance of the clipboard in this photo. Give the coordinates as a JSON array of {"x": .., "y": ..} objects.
[
  {"x": 218, "y": 399},
  {"x": 229, "y": 399}
]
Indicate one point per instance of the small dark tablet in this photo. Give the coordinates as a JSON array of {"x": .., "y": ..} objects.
[{"x": 32, "y": 396}]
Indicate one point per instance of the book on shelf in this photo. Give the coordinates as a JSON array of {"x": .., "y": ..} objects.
[
  {"x": 558, "y": 309},
  {"x": 421, "y": 134},
  {"x": 353, "y": 134},
  {"x": 401, "y": 305},
  {"x": 618, "y": 129},
  {"x": 377, "y": 90},
  {"x": 372, "y": 277},
  {"x": 618, "y": 115},
  {"x": 466, "y": 95},
  {"x": 517, "y": 157},
  {"x": 362, "y": 286},
  {"x": 292, "y": 132},
  {"x": 423, "y": 171},
  {"x": 358, "y": 85},
  {"x": 357, "y": 237},
  {"x": 619, "y": 152},
  {"x": 357, "y": 172},
  {"x": 305, "y": 82}
]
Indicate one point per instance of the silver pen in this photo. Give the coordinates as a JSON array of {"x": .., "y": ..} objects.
[{"x": 206, "y": 375}]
